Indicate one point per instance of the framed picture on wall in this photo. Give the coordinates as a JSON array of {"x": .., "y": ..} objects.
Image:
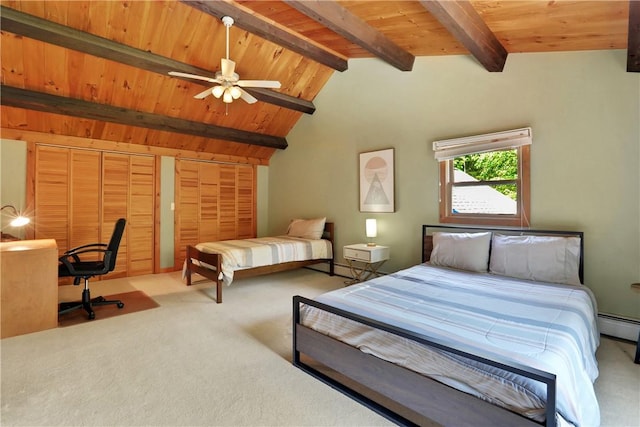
[{"x": 377, "y": 181}]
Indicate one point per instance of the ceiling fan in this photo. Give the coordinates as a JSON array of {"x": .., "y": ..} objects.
[{"x": 227, "y": 82}]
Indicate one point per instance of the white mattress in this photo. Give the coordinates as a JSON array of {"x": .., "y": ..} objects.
[{"x": 546, "y": 326}]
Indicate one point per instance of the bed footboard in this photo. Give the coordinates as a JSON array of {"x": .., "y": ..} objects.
[
  {"x": 399, "y": 394},
  {"x": 214, "y": 261}
]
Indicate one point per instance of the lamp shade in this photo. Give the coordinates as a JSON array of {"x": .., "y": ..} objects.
[
  {"x": 217, "y": 91},
  {"x": 371, "y": 227}
]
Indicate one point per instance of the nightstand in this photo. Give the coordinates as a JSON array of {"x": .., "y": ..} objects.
[{"x": 364, "y": 261}]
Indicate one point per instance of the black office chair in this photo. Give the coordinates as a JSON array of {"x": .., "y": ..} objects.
[{"x": 71, "y": 265}]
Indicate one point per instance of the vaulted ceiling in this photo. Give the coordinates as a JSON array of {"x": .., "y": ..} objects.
[{"x": 99, "y": 69}]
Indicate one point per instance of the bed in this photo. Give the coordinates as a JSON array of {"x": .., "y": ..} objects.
[
  {"x": 493, "y": 328},
  {"x": 307, "y": 242}
]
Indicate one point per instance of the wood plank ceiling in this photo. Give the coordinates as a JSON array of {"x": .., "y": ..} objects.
[{"x": 98, "y": 69}]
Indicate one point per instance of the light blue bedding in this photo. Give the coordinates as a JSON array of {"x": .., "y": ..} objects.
[{"x": 546, "y": 326}]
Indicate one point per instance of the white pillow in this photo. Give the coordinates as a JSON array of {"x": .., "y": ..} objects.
[
  {"x": 543, "y": 258},
  {"x": 307, "y": 228},
  {"x": 465, "y": 251}
]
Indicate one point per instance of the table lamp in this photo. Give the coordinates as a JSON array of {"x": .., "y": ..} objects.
[{"x": 371, "y": 229}]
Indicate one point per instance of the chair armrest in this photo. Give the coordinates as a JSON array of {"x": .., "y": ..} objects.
[
  {"x": 65, "y": 259},
  {"x": 83, "y": 247}
]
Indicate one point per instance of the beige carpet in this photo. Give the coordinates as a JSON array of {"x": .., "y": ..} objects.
[{"x": 192, "y": 362}]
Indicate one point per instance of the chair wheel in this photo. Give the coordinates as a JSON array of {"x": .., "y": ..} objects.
[{"x": 120, "y": 304}]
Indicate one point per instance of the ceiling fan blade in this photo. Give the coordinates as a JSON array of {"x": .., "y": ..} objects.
[
  {"x": 227, "y": 67},
  {"x": 192, "y": 76},
  {"x": 203, "y": 94},
  {"x": 249, "y": 99},
  {"x": 272, "y": 84}
]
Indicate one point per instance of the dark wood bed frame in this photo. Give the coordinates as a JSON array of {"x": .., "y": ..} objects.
[
  {"x": 215, "y": 260},
  {"x": 401, "y": 395}
]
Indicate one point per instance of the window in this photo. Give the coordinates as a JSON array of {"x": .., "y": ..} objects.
[{"x": 484, "y": 179}]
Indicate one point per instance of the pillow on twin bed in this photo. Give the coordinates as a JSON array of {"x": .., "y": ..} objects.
[
  {"x": 307, "y": 228},
  {"x": 465, "y": 251},
  {"x": 543, "y": 258}
]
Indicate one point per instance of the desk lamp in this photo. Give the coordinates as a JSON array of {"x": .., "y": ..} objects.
[{"x": 17, "y": 221}]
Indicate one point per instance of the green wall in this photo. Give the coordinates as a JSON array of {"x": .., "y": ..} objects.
[
  {"x": 13, "y": 181},
  {"x": 167, "y": 192},
  {"x": 583, "y": 108}
]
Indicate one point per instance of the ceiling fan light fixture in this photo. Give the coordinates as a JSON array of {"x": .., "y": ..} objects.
[
  {"x": 227, "y": 98},
  {"x": 217, "y": 91},
  {"x": 235, "y": 92}
]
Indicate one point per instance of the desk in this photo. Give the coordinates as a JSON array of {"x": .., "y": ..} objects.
[{"x": 29, "y": 294}]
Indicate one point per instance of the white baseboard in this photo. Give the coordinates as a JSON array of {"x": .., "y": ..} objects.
[
  {"x": 614, "y": 326},
  {"x": 618, "y": 327}
]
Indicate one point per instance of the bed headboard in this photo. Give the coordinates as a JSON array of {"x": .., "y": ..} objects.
[
  {"x": 329, "y": 232},
  {"x": 427, "y": 238}
]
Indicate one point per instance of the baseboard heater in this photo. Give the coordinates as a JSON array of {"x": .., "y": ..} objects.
[{"x": 619, "y": 327}]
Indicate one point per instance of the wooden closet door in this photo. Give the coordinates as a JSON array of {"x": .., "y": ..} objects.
[
  {"x": 128, "y": 191},
  {"x": 84, "y": 189},
  {"x": 228, "y": 202},
  {"x": 213, "y": 202},
  {"x": 141, "y": 215},
  {"x": 115, "y": 205},
  {"x": 51, "y": 180},
  {"x": 186, "y": 214},
  {"x": 80, "y": 194},
  {"x": 196, "y": 200},
  {"x": 246, "y": 202},
  {"x": 209, "y": 194},
  {"x": 67, "y": 196}
]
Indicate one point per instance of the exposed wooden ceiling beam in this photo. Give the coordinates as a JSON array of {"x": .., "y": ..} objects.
[
  {"x": 30, "y": 100},
  {"x": 26, "y": 25},
  {"x": 340, "y": 20},
  {"x": 246, "y": 19},
  {"x": 281, "y": 100},
  {"x": 467, "y": 26},
  {"x": 633, "y": 46}
]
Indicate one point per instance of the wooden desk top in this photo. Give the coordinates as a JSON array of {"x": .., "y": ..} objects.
[{"x": 28, "y": 245}]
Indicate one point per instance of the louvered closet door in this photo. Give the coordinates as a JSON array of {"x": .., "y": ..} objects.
[
  {"x": 196, "y": 199},
  {"x": 141, "y": 215},
  {"x": 246, "y": 202},
  {"x": 67, "y": 196},
  {"x": 128, "y": 191},
  {"x": 80, "y": 194},
  {"x": 209, "y": 193},
  {"x": 228, "y": 202},
  {"x": 84, "y": 216},
  {"x": 52, "y": 199},
  {"x": 213, "y": 202},
  {"x": 115, "y": 205},
  {"x": 186, "y": 213}
]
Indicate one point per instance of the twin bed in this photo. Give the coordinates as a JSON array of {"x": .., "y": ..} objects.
[
  {"x": 307, "y": 242},
  {"x": 493, "y": 328}
]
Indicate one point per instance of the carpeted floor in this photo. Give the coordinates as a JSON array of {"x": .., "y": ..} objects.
[{"x": 192, "y": 362}]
